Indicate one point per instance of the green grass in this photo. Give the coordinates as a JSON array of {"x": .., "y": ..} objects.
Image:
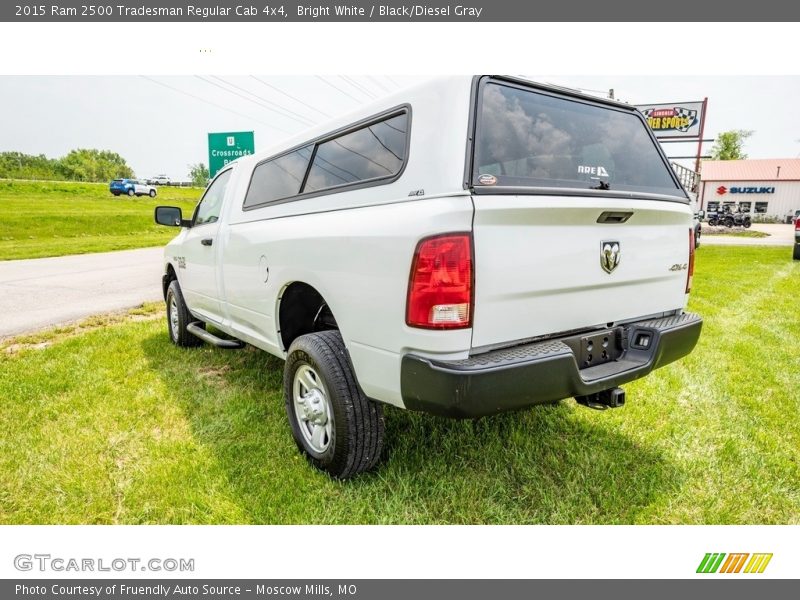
[
  {"x": 53, "y": 219},
  {"x": 112, "y": 424}
]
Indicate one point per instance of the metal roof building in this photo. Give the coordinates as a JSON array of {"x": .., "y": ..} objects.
[{"x": 768, "y": 187}]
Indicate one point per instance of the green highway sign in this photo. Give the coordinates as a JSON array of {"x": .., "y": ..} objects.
[{"x": 225, "y": 147}]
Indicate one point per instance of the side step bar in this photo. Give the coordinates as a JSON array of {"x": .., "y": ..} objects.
[{"x": 197, "y": 331}]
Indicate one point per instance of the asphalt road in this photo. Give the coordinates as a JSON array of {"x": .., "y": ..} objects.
[
  {"x": 41, "y": 292},
  {"x": 779, "y": 235}
]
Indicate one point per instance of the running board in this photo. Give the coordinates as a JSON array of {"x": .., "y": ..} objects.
[{"x": 197, "y": 331}]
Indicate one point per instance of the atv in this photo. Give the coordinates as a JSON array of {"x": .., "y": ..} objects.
[{"x": 729, "y": 218}]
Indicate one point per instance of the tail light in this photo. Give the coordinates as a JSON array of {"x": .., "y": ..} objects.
[
  {"x": 690, "y": 273},
  {"x": 440, "y": 285},
  {"x": 797, "y": 223}
]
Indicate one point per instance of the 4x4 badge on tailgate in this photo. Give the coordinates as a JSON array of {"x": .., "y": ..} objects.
[{"x": 609, "y": 255}]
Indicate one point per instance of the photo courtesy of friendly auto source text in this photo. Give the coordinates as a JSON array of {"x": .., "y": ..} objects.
[{"x": 256, "y": 283}]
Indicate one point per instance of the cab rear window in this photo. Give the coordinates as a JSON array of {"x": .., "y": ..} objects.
[{"x": 525, "y": 138}]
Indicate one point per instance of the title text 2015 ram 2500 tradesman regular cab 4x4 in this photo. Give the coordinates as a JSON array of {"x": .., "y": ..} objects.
[{"x": 465, "y": 247}]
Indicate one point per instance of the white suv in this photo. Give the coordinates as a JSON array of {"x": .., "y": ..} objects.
[
  {"x": 463, "y": 248},
  {"x": 160, "y": 180}
]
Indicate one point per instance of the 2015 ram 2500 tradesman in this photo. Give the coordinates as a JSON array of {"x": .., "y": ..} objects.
[{"x": 465, "y": 247}]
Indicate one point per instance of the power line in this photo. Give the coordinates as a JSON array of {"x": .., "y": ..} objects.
[
  {"x": 358, "y": 86},
  {"x": 337, "y": 88},
  {"x": 392, "y": 81},
  {"x": 379, "y": 84},
  {"x": 225, "y": 108},
  {"x": 364, "y": 156},
  {"x": 288, "y": 95},
  {"x": 278, "y": 106},
  {"x": 389, "y": 150},
  {"x": 224, "y": 89}
]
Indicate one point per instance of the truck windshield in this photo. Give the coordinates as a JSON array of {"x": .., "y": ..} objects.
[{"x": 525, "y": 138}]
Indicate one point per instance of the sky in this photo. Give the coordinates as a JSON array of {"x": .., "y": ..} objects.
[{"x": 159, "y": 124}]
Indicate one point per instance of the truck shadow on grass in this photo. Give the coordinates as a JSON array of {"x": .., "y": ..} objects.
[{"x": 554, "y": 464}]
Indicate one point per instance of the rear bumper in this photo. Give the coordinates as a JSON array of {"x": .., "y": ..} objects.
[{"x": 540, "y": 372}]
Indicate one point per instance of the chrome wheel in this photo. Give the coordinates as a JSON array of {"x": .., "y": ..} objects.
[
  {"x": 312, "y": 409},
  {"x": 173, "y": 317}
]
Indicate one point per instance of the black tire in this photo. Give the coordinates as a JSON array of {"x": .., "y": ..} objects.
[
  {"x": 356, "y": 438},
  {"x": 115, "y": 193},
  {"x": 796, "y": 254},
  {"x": 177, "y": 329},
  {"x": 152, "y": 193},
  {"x": 728, "y": 222},
  {"x": 747, "y": 224}
]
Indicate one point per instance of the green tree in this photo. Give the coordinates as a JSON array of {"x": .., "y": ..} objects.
[
  {"x": 199, "y": 174},
  {"x": 94, "y": 165},
  {"x": 730, "y": 145},
  {"x": 16, "y": 165}
]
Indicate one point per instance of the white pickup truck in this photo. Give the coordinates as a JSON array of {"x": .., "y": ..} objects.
[{"x": 466, "y": 247}]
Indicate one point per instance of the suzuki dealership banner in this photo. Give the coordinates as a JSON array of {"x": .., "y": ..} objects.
[{"x": 674, "y": 120}]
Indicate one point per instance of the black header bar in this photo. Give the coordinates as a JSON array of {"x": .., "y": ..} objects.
[{"x": 664, "y": 18}]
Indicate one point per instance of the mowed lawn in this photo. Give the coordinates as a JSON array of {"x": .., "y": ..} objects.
[
  {"x": 53, "y": 219},
  {"x": 113, "y": 424}
]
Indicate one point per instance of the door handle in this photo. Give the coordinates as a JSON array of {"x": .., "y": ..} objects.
[{"x": 207, "y": 241}]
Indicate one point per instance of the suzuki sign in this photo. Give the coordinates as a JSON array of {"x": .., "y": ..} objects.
[{"x": 722, "y": 190}]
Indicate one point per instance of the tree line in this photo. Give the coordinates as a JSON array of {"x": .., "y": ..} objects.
[
  {"x": 82, "y": 164},
  {"x": 90, "y": 165}
]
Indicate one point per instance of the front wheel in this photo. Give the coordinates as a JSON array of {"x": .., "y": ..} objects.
[
  {"x": 333, "y": 423},
  {"x": 728, "y": 223},
  {"x": 178, "y": 317},
  {"x": 747, "y": 224},
  {"x": 152, "y": 193}
]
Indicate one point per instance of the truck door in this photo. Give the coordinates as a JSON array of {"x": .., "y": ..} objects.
[{"x": 200, "y": 248}]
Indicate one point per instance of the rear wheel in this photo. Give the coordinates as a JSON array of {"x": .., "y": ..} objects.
[
  {"x": 131, "y": 192},
  {"x": 796, "y": 254},
  {"x": 333, "y": 423},
  {"x": 152, "y": 193},
  {"x": 178, "y": 317}
]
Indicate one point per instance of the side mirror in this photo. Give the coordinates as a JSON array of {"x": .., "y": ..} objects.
[{"x": 171, "y": 216}]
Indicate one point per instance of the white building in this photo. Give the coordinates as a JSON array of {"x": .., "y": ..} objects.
[{"x": 769, "y": 187}]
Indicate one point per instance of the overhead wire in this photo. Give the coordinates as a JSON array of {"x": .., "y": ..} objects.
[
  {"x": 277, "y": 106},
  {"x": 348, "y": 94},
  {"x": 257, "y": 103},
  {"x": 209, "y": 102},
  {"x": 378, "y": 83},
  {"x": 358, "y": 86},
  {"x": 288, "y": 95}
]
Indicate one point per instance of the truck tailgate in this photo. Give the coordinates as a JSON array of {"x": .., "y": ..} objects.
[{"x": 538, "y": 267}]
